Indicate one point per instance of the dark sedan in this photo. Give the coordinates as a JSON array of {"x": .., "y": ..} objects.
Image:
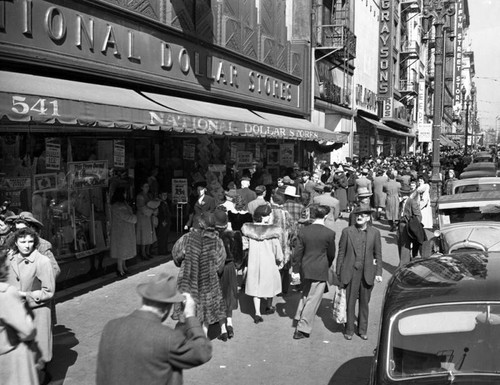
[{"x": 441, "y": 322}]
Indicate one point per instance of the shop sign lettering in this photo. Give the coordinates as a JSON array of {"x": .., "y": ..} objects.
[
  {"x": 39, "y": 106},
  {"x": 61, "y": 32},
  {"x": 385, "y": 60},
  {"x": 52, "y": 156},
  {"x": 459, "y": 52}
]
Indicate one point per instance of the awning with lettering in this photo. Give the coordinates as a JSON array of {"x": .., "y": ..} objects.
[
  {"x": 42, "y": 100},
  {"x": 383, "y": 127}
]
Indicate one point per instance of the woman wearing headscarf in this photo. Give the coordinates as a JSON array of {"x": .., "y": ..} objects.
[
  {"x": 17, "y": 331},
  {"x": 32, "y": 274},
  {"x": 233, "y": 245},
  {"x": 265, "y": 255},
  {"x": 201, "y": 255}
]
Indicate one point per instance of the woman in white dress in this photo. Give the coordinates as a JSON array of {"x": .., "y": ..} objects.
[{"x": 423, "y": 190}]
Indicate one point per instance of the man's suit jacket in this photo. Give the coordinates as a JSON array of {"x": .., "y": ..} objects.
[
  {"x": 247, "y": 194},
  {"x": 348, "y": 249},
  {"x": 314, "y": 252},
  {"x": 139, "y": 349},
  {"x": 411, "y": 208}
]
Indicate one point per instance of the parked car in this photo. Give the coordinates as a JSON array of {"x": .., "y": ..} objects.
[
  {"x": 483, "y": 156},
  {"x": 440, "y": 322},
  {"x": 467, "y": 221},
  {"x": 475, "y": 184},
  {"x": 478, "y": 170}
]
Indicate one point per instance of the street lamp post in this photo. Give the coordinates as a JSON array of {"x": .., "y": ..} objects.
[
  {"x": 467, "y": 102},
  {"x": 438, "y": 10}
]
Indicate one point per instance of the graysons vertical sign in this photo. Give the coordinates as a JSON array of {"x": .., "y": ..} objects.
[{"x": 385, "y": 86}]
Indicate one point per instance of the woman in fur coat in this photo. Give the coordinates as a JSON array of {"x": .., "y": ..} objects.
[
  {"x": 264, "y": 258},
  {"x": 200, "y": 254}
]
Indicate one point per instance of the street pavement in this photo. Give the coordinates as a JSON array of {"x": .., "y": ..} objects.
[{"x": 258, "y": 354}]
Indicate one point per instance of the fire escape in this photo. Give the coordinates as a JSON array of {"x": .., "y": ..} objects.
[
  {"x": 409, "y": 53},
  {"x": 336, "y": 45}
]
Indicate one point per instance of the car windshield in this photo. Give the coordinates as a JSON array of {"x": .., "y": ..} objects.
[
  {"x": 470, "y": 214},
  {"x": 477, "y": 187},
  {"x": 434, "y": 340}
]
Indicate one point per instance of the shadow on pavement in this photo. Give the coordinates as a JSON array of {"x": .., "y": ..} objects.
[
  {"x": 325, "y": 312},
  {"x": 389, "y": 268},
  {"x": 353, "y": 372},
  {"x": 64, "y": 341},
  {"x": 288, "y": 308}
]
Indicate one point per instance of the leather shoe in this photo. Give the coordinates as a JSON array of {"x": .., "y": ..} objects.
[
  {"x": 363, "y": 336},
  {"x": 258, "y": 319},
  {"x": 270, "y": 310},
  {"x": 230, "y": 332},
  {"x": 348, "y": 337},
  {"x": 298, "y": 335}
]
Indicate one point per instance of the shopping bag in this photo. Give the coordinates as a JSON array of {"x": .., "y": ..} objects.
[{"x": 339, "y": 307}]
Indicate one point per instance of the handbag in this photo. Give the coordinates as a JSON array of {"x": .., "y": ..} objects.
[{"x": 339, "y": 307}]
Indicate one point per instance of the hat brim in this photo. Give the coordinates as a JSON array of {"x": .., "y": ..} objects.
[
  {"x": 142, "y": 290},
  {"x": 365, "y": 195}
]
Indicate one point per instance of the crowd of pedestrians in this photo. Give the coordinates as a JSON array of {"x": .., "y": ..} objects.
[{"x": 262, "y": 239}]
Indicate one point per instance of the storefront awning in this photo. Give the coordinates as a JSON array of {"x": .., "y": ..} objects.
[
  {"x": 383, "y": 127},
  {"x": 30, "y": 98},
  {"x": 447, "y": 142}
]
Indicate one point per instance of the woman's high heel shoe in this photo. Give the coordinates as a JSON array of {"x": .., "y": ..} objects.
[{"x": 121, "y": 274}]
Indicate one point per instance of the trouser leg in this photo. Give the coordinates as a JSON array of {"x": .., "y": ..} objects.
[
  {"x": 312, "y": 295},
  {"x": 352, "y": 293}
]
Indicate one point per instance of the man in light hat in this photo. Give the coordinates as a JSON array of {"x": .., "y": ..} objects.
[
  {"x": 327, "y": 199},
  {"x": 363, "y": 200},
  {"x": 139, "y": 349},
  {"x": 363, "y": 182},
  {"x": 292, "y": 205},
  {"x": 359, "y": 266}
]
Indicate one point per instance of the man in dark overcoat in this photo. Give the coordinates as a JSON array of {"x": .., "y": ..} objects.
[
  {"x": 312, "y": 257},
  {"x": 359, "y": 265},
  {"x": 139, "y": 349},
  {"x": 410, "y": 208}
]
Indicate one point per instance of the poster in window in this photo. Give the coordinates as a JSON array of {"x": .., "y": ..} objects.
[
  {"x": 52, "y": 154},
  {"x": 188, "y": 150},
  {"x": 244, "y": 159},
  {"x": 179, "y": 190},
  {"x": 287, "y": 155},
  {"x": 119, "y": 153},
  {"x": 16, "y": 190},
  {"x": 84, "y": 175},
  {"x": 273, "y": 156},
  {"x": 44, "y": 182}
]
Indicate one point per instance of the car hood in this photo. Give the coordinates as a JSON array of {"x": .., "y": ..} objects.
[{"x": 471, "y": 234}]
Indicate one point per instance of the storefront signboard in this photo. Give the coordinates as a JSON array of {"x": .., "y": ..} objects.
[
  {"x": 68, "y": 34},
  {"x": 179, "y": 190},
  {"x": 85, "y": 175},
  {"x": 286, "y": 155},
  {"x": 119, "y": 153},
  {"x": 52, "y": 154},
  {"x": 44, "y": 182}
]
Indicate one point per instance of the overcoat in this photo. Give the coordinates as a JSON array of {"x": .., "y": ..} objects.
[
  {"x": 201, "y": 256},
  {"x": 17, "y": 365},
  {"x": 379, "y": 196},
  {"x": 123, "y": 240},
  {"x": 372, "y": 255},
  {"x": 264, "y": 255},
  {"x": 139, "y": 349},
  {"x": 35, "y": 276},
  {"x": 144, "y": 230},
  {"x": 391, "y": 188}
]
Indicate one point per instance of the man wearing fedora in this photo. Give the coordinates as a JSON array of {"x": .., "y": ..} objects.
[
  {"x": 359, "y": 266},
  {"x": 327, "y": 199},
  {"x": 409, "y": 208},
  {"x": 363, "y": 200},
  {"x": 139, "y": 349}
]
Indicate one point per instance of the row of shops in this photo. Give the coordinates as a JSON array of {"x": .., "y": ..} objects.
[{"x": 93, "y": 96}]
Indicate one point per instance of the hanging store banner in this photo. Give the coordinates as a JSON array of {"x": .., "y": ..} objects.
[
  {"x": 425, "y": 132},
  {"x": 385, "y": 64},
  {"x": 459, "y": 32}
]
